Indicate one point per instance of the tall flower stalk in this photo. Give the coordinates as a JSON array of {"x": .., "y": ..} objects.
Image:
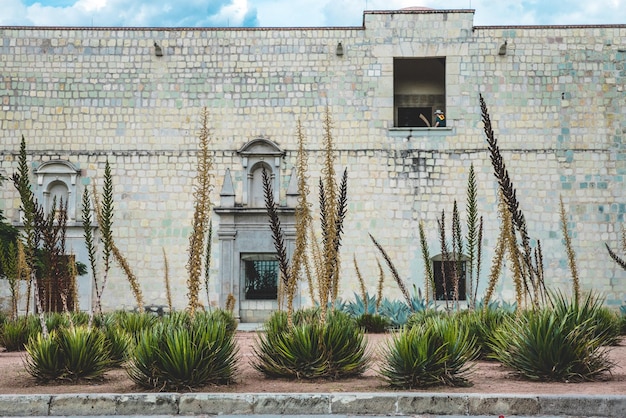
[
  {"x": 201, "y": 215},
  {"x": 531, "y": 268},
  {"x": 571, "y": 255},
  {"x": 104, "y": 211}
]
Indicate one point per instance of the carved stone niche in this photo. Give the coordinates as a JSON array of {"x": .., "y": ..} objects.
[
  {"x": 246, "y": 248},
  {"x": 56, "y": 179}
]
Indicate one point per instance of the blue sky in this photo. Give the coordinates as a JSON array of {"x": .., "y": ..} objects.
[{"x": 281, "y": 13}]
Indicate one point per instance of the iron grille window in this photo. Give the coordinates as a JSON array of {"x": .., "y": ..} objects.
[{"x": 261, "y": 278}]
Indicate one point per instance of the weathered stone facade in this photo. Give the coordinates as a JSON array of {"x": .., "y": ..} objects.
[{"x": 556, "y": 98}]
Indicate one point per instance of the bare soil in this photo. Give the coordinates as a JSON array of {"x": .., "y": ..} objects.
[{"x": 486, "y": 377}]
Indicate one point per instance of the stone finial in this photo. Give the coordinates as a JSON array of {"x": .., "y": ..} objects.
[
  {"x": 292, "y": 190},
  {"x": 227, "y": 194}
]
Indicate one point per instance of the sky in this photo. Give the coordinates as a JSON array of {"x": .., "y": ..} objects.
[{"x": 293, "y": 13}]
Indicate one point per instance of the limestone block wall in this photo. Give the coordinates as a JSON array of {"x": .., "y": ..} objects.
[{"x": 556, "y": 101}]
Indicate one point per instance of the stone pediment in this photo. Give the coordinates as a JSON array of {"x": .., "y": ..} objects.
[
  {"x": 261, "y": 147},
  {"x": 55, "y": 169}
]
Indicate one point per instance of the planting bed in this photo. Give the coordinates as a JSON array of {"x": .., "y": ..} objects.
[{"x": 487, "y": 377}]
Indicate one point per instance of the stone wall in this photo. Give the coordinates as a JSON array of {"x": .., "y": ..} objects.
[{"x": 556, "y": 100}]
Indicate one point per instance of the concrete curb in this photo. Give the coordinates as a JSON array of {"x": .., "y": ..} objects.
[{"x": 392, "y": 403}]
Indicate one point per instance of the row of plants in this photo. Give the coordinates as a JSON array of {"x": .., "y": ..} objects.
[
  {"x": 174, "y": 351},
  {"x": 566, "y": 342}
]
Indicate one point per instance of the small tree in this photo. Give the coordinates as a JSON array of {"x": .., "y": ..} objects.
[
  {"x": 44, "y": 253},
  {"x": 9, "y": 266}
]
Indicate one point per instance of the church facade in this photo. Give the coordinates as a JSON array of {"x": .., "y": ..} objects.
[{"x": 134, "y": 96}]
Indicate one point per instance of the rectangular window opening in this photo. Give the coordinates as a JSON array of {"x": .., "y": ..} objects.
[
  {"x": 260, "y": 276},
  {"x": 449, "y": 266},
  {"x": 419, "y": 88}
]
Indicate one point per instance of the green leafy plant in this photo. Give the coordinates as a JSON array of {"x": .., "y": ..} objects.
[
  {"x": 565, "y": 343},
  {"x": 72, "y": 353},
  {"x": 373, "y": 323},
  {"x": 436, "y": 352},
  {"x": 15, "y": 334},
  {"x": 184, "y": 351},
  {"x": 589, "y": 308},
  {"x": 85, "y": 353},
  {"x": 120, "y": 343},
  {"x": 134, "y": 323},
  {"x": 482, "y": 324},
  {"x": 104, "y": 211},
  {"x": 311, "y": 348},
  {"x": 44, "y": 360}
]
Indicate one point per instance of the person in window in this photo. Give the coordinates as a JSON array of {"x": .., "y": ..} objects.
[{"x": 440, "y": 119}]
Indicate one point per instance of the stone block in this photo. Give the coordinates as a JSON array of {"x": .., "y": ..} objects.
[
  {"x": 20, "y": 405},
  {"x": 83, "y": 404},
  {"x": 291, "y": 404},
  {"x": 429, "y": 403},
  {"x": 215, "y": 404},
  {"x": 147, "y": 404},
  {"x": 503, "y": 405},
  {"x": 364, "y": 404},
  {"x": 580, "y": 405}
]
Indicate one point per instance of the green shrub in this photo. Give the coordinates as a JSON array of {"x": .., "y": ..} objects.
[
  {"x": 373, "y": 324},
  {"x": 604, "y": 322},
  {"x": 80, "y": 318},
  {"x": 398, "y": 312},
  {"x": 564, "y": 343},
  {"x": 68, "y": 354},
  {"x": 420, "y": 317},
  {"x": 308, "y": 350},
  {"x": 436, "y": 352},
  {"x": 85, "y": 352},
  {"x": 56, "y": 320},
  {"x": 120, "y": 343},
  {"x": 134, "y": 322},
  {"x": 482, "y": 324},
  {"x": 15, "y": 333},
  {"x": 223, "y": 316},
  {"x": 44, "y": 361},
  {"x": 184, "y": 352}
]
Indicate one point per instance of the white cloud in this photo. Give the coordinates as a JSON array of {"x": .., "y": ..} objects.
[{"x": 13, "y": 12}]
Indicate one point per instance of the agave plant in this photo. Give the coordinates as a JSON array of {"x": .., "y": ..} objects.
[
  {"x": 184, "y": 351},
  {"x": 373, "y": 323},
  {"x": 335, "y": 348},
  {"x": 68, "y": 354},
  {"x": 135, "y": 322},
  {"x": 44, "y": 360},
  {"x": 482, "y": 324},
  {"x": 120, "y": 343},
  {"x": 564, "y": 343},
  {"x": 15, "y": 333},
  {"x": 360, "y": 306},
  {"x": 398, "y": 312},
  {"x": 604, "y": 322},
  {"x": 84, "y": 352},
  {"x": 420, "y": 317},
  {"x": 435, "y": 352}
]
